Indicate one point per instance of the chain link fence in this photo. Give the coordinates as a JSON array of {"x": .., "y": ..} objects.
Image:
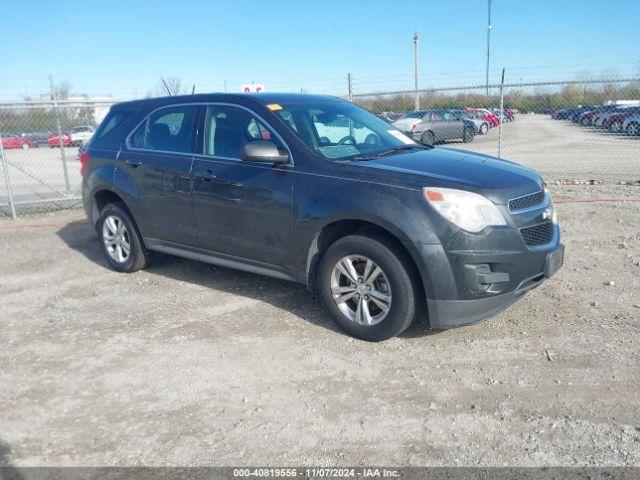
[
  {"x": 40, "y": 144},
  {"x": 571, "y": 132}
]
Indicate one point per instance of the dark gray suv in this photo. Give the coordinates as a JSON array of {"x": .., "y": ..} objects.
[{"x": 316, "y": 190}]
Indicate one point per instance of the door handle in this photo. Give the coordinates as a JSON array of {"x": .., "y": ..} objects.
[
  {"x": 207, "y": 175},
  {"x": 132, "y": 162}
]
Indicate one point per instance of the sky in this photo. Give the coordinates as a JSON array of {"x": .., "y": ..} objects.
[{"x": 122, "y": 48}]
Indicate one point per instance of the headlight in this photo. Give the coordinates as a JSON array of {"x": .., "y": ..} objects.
[{"x": 467, "y": 210}]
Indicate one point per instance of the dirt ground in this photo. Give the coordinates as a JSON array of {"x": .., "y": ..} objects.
[{"x": 190, "y": 364}]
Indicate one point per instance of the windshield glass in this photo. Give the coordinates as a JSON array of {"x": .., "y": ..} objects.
[{"x": 339, "y": 130}]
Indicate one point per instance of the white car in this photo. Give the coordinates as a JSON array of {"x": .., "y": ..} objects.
[
  {"x": 631, "y": 125},
  {"x": 81, "y": 135}
]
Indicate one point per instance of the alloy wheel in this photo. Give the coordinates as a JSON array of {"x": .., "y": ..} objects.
[
  {"x": 361, "y": 290},
  {"x": 116, "y": 238}
]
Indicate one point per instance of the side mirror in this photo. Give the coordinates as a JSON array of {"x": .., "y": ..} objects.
[{"x": 263, "y": 152}]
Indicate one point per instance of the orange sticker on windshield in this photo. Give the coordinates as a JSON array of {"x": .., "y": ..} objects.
[{"x": 274, "y": 106}]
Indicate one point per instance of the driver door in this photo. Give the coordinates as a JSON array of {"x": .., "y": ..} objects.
[{"x": 242, "y": 209}]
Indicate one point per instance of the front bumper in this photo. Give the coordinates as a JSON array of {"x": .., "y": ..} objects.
[{"x": 444, "y": 314}]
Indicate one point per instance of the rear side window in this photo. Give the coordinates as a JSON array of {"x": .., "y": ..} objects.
[
  {"x": 111, "y": 121},
  {"x": 169, "y": 129}
]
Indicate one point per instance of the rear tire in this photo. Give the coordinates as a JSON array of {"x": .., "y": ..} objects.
[
  {"x": 484, "y": 128},
  {"x": 428, "y": 138},
  {"x": 615, "y": 127},
  {"x": 390, "y": 300},
  {"x": 121, "y": 241},
  {"x": 468, "y": 134}
]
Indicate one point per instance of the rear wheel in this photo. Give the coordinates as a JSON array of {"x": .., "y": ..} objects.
[
  {"x": 586, "y": 122},
  {"x": 121, "y": 241},
  {"x": 428, "y": 138},
  {"x": 484, "y": 128},
  {"x": 368, "y": 287},
  {"x": 468, "y": 134}
]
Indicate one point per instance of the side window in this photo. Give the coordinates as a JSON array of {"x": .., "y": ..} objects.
[
  {"x": 169, "y": 129},
  {"x": 137, "y": 139},
  {"x": 228, "y": 129}
]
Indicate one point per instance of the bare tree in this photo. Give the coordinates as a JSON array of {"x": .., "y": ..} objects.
[{"x": 167, "y": 86}]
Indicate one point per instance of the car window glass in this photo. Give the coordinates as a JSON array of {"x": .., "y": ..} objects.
[
  {"x": 228, "y": 129},
  {"x": 171, "y": 129},
  {"x": 137, "y": 138}
]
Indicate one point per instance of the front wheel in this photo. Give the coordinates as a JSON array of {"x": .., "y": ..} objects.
[
  {"x": 484, "y": 128},
  {"x": 633, "y": 128},
  {"x": 121, "y": 241},
  {"x": 369, "y": 287},
  {"x": 468, "y": 134},
  {"x": 615, "y": 127}
]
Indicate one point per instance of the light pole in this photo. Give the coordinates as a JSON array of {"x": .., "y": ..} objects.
[
  {"x": 415, "y": 70},
  {"x": 488, "y": 44}
]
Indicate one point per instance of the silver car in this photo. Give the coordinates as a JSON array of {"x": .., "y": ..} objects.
[{"x": 441, "y": 125}]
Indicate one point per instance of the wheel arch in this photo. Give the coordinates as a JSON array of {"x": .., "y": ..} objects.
[
  {"x": 101, "y": 198},
  {"x": 337, "y": 229}
]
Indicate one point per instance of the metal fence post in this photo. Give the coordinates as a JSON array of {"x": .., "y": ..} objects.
[
  {"x": 350, "y": 87},
  {"x": 60, "y": 142},
  {"x": 501, "y": 114},
  {"x": 5, "y": 169}
]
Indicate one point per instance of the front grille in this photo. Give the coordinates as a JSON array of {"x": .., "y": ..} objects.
[
  {"x": 527, "y": 201},
  {"x": 538, "y": 234}
]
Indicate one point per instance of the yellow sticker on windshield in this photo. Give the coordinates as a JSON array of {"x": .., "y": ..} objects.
[{"x": 274, "y": 106}]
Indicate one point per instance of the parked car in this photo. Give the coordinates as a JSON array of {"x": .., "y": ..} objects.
[
  {"x": 614, "y": 122},
  {"x": 480, "y": 122},
  {"x": 389, "y": 117},
  {"x": 631, "y": 125},
  {"x": 598, "y": 120},
  {"x": 54, "y": 140},
  {"x": 439, "y": 125},
  {"x": 409, "y": 120},
  {"x": 494, "y": 121},
  {"x": 81, "y": 135},
  {"x": 586, "y": 118},
  {"x": 387, "y": 230},
  {"x": 10, "y": 141}
]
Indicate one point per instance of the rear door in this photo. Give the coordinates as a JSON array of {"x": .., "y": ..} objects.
[
  {"x": 242, "y": 209},
  {"x": 160, "y": 157},
  {"x": 451, "y": 126}
]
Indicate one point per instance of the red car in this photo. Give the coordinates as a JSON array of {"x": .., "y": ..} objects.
[
  {"x": 14, "y": 141},
  {"x": 54, "y": 140},
  {"x": 487, "y": 115},
  {"x": 614, "y": 123}
]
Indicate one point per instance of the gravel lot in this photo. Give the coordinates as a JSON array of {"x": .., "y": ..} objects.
[{"x": 190, "y": 364}]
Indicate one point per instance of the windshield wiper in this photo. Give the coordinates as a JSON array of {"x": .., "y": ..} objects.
[{"x": 391, "y": 151}]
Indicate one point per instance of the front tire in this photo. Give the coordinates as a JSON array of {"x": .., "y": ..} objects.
[
  {"x": 369, "y": 287},
  {"x": 633, "y": 128},
  {"x": 121, "y": 241},
  {"x": 484, "y": 128}
]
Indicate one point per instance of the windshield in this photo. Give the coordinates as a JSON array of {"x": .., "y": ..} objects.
[{"x": 339, "y": 130}]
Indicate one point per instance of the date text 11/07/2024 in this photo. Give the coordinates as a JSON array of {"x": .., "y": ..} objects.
[{"x": 316, "y": 472}]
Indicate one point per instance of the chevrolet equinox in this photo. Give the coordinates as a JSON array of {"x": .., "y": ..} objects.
[{"x": 316, "y": 190}]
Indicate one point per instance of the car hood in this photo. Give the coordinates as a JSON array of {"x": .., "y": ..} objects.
[{"x": 497, "y": 179}]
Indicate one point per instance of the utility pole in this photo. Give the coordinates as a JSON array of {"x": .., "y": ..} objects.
[
  {"x": 65, "y": 170},
  {"x": 488, "y": 44},
  {"x": 415, "y": 70},
  {"x": 350, "y": 87}
]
